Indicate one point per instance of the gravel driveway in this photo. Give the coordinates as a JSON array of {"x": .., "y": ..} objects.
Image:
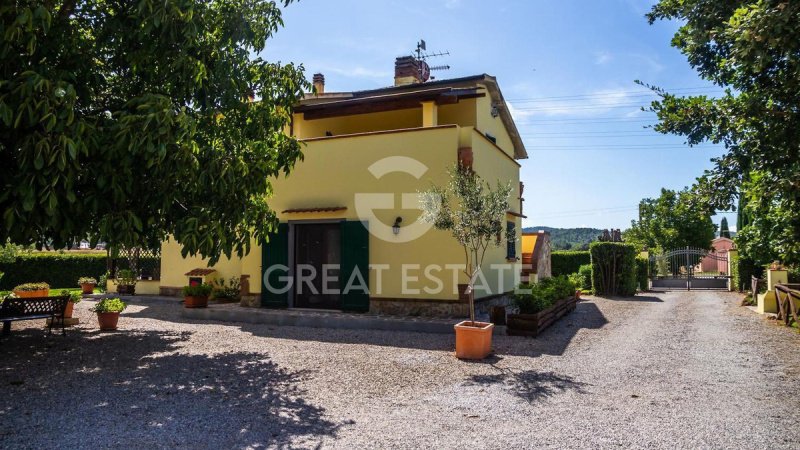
[{"x": 678, "y": 369}]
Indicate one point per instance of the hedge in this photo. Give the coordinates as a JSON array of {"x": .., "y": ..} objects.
[
  {"x": 586, "y": 271},
  {"x": 613, "y": 268},
  {"x": 567, "y": 262},
  {"x": 642, "y": 277},
  {"x": 59, "y": 270}
]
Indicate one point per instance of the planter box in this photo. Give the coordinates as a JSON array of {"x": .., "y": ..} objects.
[
  {"x": 31, "y": 294},
  {"x": 533, "y": 324}
]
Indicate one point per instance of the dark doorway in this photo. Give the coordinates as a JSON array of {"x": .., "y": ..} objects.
[{"x": 317, "y": 251}]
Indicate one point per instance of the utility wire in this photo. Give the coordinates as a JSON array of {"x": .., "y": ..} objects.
[{"x": 639, "y": 92}]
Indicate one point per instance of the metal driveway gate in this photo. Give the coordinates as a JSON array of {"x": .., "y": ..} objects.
[{"x": 689, "y": 268}]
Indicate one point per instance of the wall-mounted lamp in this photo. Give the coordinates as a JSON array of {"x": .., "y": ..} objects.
[
  {"x": 396, "y": 226},
  {"x": 495, "y": 111}
]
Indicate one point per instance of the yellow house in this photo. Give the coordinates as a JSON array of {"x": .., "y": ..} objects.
[{"x": 350, "y": 237}]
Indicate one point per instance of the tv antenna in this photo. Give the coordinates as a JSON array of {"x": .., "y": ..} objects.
[{"x": 422, "y": 56}]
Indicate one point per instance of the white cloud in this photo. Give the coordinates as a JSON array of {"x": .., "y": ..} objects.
[
  {"x": 452, "y": 4},
  {"x": 602, "y": 57}
]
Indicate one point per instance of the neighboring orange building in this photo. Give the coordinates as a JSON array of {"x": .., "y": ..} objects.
[{"x": 717, "y": 261}]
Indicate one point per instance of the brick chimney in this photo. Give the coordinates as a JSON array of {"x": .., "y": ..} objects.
[
  {"x": 406, "y": 71},
  {"x": 319, "y": 83}
]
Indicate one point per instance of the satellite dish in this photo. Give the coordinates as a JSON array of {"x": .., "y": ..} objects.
[{"x": 424, "y": 71}]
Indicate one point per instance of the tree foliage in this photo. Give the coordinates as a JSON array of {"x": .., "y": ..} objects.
[
  {"x": 474, "y": 213},
  {"x": 672, "y": 220},
  {"x": 751, "y": 48},
  {"x": 130, "y": 121}
]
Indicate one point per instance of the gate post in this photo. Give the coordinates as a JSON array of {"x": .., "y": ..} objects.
[
  {"x": 688, "y": 271},
  {"x": 733, "y": 257}
]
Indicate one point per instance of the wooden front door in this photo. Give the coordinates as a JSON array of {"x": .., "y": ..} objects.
[{"x": 317, "y": 257}]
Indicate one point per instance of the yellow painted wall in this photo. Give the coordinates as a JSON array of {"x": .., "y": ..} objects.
[
  {"x": 491, "y": 164},
  {"x": 143, "y": 287},
  {"x": 462, "y": 113},
  {"x": 344, "y": 162},
  {"x": 493, "y": 125},
  {"x": 358, "y": 123},
  {"x": 174, "y": 266}
]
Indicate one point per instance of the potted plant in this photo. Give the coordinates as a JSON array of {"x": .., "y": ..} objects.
[
  {"x": 126, "y": 282},
  {"x": 196, "y": 296},
  {"x": 74, "y": 298},
  {"x": 28, "y": 290},
  {"x": 108, "y": 310},
  {"x": 474, "y": 213},
  {"x": 87, "y": 284}
]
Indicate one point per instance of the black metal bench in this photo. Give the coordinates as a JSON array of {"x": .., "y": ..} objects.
[{"x": 14, "y": 308}]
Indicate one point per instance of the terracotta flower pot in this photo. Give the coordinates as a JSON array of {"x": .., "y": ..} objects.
[
  {"x": 108, "y": 320},
  {"x": 87, "y": 288},
  {"x": 30, "y": 294},
  {"x": 473, "y": 339},
  {"x": 68, "y": 310},
  {"x": 195, "y": 301}
]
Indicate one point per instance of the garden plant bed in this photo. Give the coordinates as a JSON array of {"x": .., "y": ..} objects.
[{"x": 533, "y": 324}]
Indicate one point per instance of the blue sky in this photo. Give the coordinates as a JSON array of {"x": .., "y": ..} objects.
[{"x": 567, "y": 69}]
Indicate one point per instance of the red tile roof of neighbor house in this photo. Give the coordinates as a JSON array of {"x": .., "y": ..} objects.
[
  {"x": 313, "y": 210},
  {"x": 199, "y": 272}
]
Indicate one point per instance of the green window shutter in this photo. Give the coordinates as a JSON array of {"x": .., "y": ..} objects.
[
  {"x": 276, "y": 252},
  {"x": 355, "y": 262}
]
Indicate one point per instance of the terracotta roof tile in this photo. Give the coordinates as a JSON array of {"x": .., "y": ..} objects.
[
  {"x": 199, "y": 272},
  {"x": 313, "y": 210}
]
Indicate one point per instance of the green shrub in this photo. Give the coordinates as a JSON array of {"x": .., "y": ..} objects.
[
  {"x": 642, "y": 275},
  {"x": 59, "y": 270},
  {"x": 567, "y": 262},
  {"x": 109, "y": 305},
  {"x": 613, "y": 268},
  {"x": 103, "y": 281},
  {"x": 542, "y": 295},
  {"x": 747, "y": 268},
  {"x": 198, "y": 290},
  {"x": 226, "y": 290},
  {"x": 586, "y": 271},
  {"x": 578, "y": 279}
]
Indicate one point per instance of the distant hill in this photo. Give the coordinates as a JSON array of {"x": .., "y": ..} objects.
[{"x": 569, "y": 238}]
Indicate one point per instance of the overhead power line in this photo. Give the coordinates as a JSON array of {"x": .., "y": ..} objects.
[{"x": 614, "y": 93}]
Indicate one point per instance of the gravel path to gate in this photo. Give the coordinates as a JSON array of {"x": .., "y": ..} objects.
[{"x": 678, "y": 369}]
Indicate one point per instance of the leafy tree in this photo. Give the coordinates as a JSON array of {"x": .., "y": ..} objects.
[
  {"x": 672, "y": 220},
  {"x": 751, "y": 48},
  {"x": 474, "y": 213},
  {"x": 129, "y": 122},
  {"x": 723, "y": 228}
]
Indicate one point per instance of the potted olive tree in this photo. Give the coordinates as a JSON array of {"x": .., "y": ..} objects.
[
  {"x": 87, "y": 284},
  {"x": 108, "y": 310},
  {"x": 474, "y": 213}
]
